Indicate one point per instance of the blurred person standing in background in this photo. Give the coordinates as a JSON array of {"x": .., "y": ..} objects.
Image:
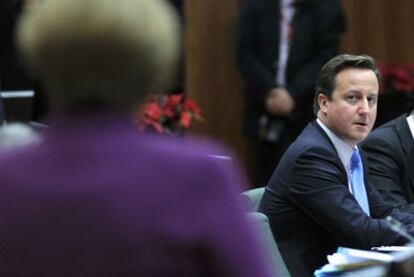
[
  {"x": 282, "y": 45},
  {"x": 13, "y": 76}
]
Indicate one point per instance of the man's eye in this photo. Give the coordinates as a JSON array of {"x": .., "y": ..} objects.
[
  {"x": 372, "y": 100},
  {"x": 351, "y": 98}
]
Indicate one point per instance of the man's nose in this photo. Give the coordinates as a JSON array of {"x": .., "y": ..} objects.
[{"x": 364, "y": 106}]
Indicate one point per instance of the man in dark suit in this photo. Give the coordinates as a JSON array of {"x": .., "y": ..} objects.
[
  {"x": 320, "y": 196},
  {"x": 97, "y": 198},
  {"x": 13, "y": 77},
  {"x": 282, "y": 44},
  {"x": 390, "y": 150}
]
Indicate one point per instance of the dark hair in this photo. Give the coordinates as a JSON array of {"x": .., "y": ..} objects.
[{"x": 326, "y": 82}]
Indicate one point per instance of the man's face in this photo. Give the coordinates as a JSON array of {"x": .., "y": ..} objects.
[{"x": 352, "y": 110}]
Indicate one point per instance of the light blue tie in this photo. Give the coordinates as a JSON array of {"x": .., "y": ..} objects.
[{"x": 357, "y": 181}]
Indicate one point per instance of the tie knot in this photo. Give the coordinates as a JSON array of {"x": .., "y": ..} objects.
[{"x": 355, "y": 159}]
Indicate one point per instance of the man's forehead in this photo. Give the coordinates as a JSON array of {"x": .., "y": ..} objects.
[{"x": 356, "y": 76}]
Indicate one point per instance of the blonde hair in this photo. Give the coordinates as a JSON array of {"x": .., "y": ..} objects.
[{"x": 111, "y": 52}]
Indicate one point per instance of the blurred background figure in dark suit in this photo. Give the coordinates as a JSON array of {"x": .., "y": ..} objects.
[
  {"x": 282, "y": 44},
  {"x": 96, "y": 197},
  {"x": 13, "y": 76},
  {"x": 178, "y": 84},
  {"x": 390, "y": 150}
]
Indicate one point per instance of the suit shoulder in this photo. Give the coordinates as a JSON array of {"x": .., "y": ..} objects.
[
  {"x": 311, "y": 144},
  {"x": 385, "y": 132},
  {"x": 389, "y": 138}
]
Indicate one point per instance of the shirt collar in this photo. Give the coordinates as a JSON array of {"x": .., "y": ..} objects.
[{"x": 344, "y": 150}]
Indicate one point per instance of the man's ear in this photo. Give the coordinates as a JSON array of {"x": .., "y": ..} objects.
[{"x": 323, "y": 102}]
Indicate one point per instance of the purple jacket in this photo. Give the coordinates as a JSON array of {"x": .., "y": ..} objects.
[{"x": 95, "y": 198}]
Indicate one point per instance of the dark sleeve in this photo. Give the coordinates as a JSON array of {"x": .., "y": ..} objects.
[
  {"x": 5, "y": 26},
  {"x": 251, "y": 67},
  {"x": 320, "y": 189},
  {"x": 9, "y": 10},
  {"x": 385, "y": 162},
  {"x": 330, "y": 23}
]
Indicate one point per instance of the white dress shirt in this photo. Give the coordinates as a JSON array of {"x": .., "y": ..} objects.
[{"x": 342, "y": 148}]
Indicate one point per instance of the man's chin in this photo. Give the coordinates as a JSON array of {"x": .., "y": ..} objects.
[
  {"x": 361, "y": 137},
  {"x": 362, "y": 130}
]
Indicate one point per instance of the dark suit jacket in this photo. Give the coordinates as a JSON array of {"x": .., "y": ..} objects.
[
  {"x": 95, "y": 198},
  {"x": 311, "y": 210},
  {"x": 390, "y": 150},
  {"x": 12, "y": 74},
  {"x": 316, "y": 28}
]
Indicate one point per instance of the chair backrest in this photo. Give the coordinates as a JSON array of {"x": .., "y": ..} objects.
[
  {"x": 252, "y": 198},
  {"x": 16, "y": 106},
  {"x": 264, "y": 233},
  {"x": 260, "y": 223}
]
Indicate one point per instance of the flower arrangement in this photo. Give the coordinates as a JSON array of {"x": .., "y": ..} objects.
[
  {"x": 397, "y": 91},
  {"x": 170, "y": 114},
  {"x": 396, "y": 78}
]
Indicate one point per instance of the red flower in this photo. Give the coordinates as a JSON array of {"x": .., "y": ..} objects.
[
  {"x": 190, "y": 105},
  {"x": 185, "y": 120},
  {"x": 397, "y": 78},
  {"x": 152, "y": 110},
  {"x": 173, "y": 100},
  {"x": 150, "y": 115},
  {"x": 168, "y": 113}
]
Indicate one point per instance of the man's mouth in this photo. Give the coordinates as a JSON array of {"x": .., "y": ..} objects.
[{"x": 361, "y": 124}]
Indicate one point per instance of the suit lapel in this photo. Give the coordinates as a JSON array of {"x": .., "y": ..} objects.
[
  {"x": 364, "y": 165},
  {"x": 407, "y": 144},
  {"x": 329, "y": 144},
  {"x": 410, "y": 161},
  {"x": 404, "y": 132}
]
